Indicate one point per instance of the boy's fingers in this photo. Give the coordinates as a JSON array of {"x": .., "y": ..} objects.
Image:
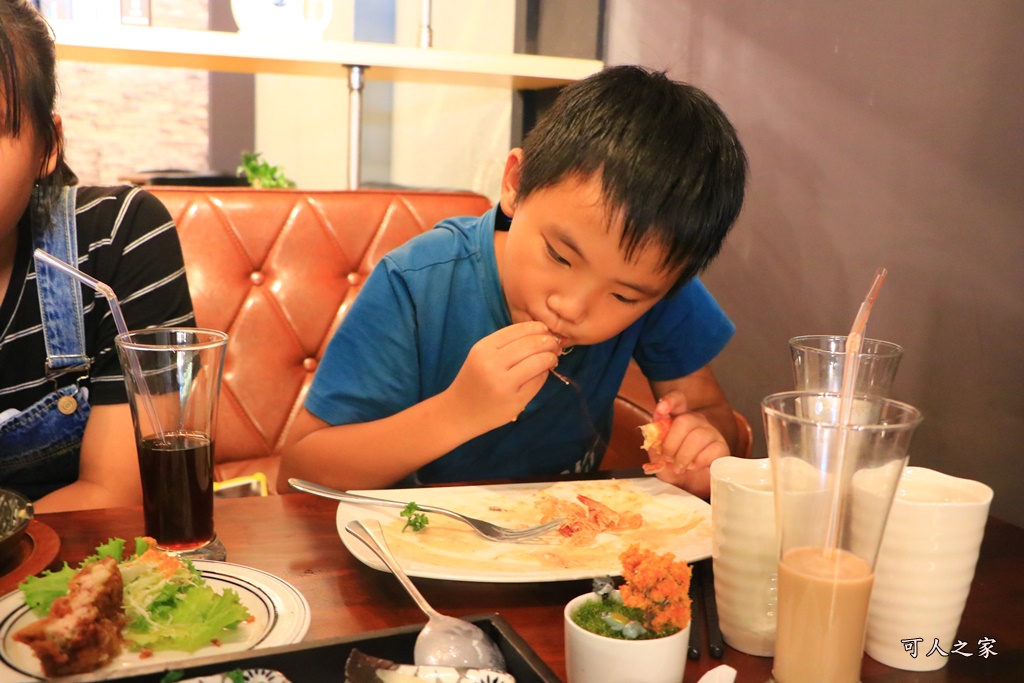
[
  {"x": 670, "y": 405},
  {"x": 517, "y": 331}
]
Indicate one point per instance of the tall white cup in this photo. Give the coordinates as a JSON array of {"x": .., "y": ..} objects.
[
  {"x": 745, "y": 553},
  {"x": 925, "y": 567}
]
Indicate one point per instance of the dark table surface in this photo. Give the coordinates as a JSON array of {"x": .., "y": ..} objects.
[{"x": 295, "y": 537}]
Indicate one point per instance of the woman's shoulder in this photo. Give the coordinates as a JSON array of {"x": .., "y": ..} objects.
[
  {"x": 105, "y": 211},
  {"x": 112, "y": 198}
]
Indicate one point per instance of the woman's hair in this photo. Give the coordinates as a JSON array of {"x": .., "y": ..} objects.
[
  {"x": 669, "y": 160},
  {"x": 29, "y": 89}
]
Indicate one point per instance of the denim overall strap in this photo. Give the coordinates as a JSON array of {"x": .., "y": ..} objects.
[
  {"x": 41, "y": 446},
  {"x": 60, "y": 295}
]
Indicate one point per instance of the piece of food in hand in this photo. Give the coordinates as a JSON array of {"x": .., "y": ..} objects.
[
  {"x": 654, "y": 433},
  {"x": 82, "y": 631}
]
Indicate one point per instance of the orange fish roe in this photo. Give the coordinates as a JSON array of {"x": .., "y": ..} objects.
[
  {"x": 659, "y": 585},
  {"x": 166, "y": 564}
]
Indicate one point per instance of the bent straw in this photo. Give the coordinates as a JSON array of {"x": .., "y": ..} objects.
[
  {"x": 853, "y": 346},
  {"x": 115, "y": 312}
]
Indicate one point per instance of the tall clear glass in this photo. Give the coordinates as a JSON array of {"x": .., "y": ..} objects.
[
  {"x": 173, "y": 378},
  {"x": 819, "y": 361},
  {"x": 833, "y": 487}
]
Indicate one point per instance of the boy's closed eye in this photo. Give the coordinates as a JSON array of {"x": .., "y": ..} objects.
[
  {"x": 559, "y": 259},
  {"x": 555, "y": 256}
]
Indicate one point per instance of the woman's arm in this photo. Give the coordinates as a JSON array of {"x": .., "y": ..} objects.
[{"x": 109, "y": 468}]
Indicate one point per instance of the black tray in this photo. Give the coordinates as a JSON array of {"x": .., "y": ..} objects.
[{"x": 324, "y": 661}]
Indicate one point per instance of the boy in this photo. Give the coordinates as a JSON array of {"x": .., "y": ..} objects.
[{"x": 444, "y": 368}]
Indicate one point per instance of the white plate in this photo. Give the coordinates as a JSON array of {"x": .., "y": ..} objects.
[
  {"x": 674, "y": 521},
  {"x": 281, "y": 617}
]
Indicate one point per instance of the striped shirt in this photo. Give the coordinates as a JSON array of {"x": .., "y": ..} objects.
[{"x": 126, "y": 239}]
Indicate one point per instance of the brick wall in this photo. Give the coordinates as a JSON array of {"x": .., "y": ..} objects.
[{"x": 124, "y": 119}]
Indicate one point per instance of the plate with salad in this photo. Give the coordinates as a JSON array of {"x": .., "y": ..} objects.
[{"x": 173, "y": 610}]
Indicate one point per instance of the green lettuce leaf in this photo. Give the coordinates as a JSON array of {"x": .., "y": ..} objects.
[
  {"x": 197, "y": 618},
  {"x": 168, "y": 607}
]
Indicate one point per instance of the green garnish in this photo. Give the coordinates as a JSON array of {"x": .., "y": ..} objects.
[
  {"x": 417, "y": 520},
  {"x": 594, "y": 617}
]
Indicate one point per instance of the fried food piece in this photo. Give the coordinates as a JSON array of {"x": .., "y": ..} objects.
[
  {"x": 654, "y": 433},
  {"x": 83, "y": 630}
]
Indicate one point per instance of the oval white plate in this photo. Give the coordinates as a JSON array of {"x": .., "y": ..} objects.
[
  {"x": 674, "y": 521},
  {"x": 280, "y": 617}
]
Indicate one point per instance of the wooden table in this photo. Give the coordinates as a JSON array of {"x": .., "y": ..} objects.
[{"x": 294, "y": 537}]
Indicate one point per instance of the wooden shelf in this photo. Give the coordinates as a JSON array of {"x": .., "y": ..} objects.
[{"x": 237, "y": 52}]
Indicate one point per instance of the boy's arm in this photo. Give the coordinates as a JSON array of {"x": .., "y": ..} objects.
[
  {"x": 703, "y": 429},
  {"x": 502, "y": 372},
  {"x": 372, "y": 455}
]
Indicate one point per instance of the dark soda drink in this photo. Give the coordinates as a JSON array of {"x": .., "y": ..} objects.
[{"x": 177, "y": 489}]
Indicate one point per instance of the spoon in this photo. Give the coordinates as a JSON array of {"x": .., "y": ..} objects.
[{"x": 444, "y": 641}]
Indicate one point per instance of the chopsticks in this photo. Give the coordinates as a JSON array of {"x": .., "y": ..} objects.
[
  {"x": 704, "y": 611},
  {"x": 716, "y": 646},
  {"x": 696, "y": 613}
]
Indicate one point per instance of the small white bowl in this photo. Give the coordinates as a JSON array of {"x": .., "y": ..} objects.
[{"x": 590, "y": 658}]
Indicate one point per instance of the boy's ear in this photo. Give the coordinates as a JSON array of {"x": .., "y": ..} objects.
[
  {"x": 510, "y": 181},
  {"x": 50, "y": 162}
]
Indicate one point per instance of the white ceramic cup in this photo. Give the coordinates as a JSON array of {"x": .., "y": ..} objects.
[
  {"x": 925, "y": 567},
  {"x": 590, "y": 658},
  {"x": 745, "y": 552},
  {"x": 282, "y": 18}
]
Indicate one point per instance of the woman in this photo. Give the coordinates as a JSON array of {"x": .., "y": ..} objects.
[{"x": 66, "y": 435}]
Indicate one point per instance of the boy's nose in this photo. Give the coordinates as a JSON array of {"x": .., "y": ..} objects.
[{"x": 570, "y": 308}]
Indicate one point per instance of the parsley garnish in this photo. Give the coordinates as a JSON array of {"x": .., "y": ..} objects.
[{"x": 417, "y": 520}]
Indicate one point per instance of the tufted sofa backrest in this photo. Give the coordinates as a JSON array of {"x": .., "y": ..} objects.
[{"x": 277, "y": 270}]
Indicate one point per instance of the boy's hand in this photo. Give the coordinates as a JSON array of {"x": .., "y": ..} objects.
[
  {"x": 502, "y": 372},
  {"x": 689, "y": 443}
]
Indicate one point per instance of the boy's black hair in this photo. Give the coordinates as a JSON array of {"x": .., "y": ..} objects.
[
  {"x": 29, "y": 81},
  {"x": 669, "y": 159}
]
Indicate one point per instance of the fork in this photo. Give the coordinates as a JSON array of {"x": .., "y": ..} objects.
[{"x": 489, "y": 531}]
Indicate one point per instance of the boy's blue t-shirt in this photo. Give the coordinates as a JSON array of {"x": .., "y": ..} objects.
[{"x": 430, "y": 300}]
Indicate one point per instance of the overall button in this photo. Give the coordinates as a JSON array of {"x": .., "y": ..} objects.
[{"x": 67, "y": 405}]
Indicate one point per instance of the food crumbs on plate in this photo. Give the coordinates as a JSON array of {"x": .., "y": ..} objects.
[{"x": 145, "y": 653}]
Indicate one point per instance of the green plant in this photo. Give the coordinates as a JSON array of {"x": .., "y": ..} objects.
[{"x": 261, "y": 174}]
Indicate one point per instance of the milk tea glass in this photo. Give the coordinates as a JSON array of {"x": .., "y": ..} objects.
[
  {"x": 819, "y": 361},
  {"x": 173, "y": 380},
  {"x": 828, "y": 536}
]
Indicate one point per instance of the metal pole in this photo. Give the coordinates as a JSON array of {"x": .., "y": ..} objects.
[
  {"x": 426, "y": 33},
  {"x": 355, "y": 123}
]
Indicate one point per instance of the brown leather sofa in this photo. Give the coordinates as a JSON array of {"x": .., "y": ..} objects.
[{"x": 278, "y": 270}]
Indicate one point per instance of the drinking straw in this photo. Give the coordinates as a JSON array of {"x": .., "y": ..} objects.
[
  {"x": 115, "y": 311},
  {"x": 853, "y": 345}
]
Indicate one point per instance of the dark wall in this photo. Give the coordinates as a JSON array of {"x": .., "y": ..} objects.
[{"x": 880, "y": 133}]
